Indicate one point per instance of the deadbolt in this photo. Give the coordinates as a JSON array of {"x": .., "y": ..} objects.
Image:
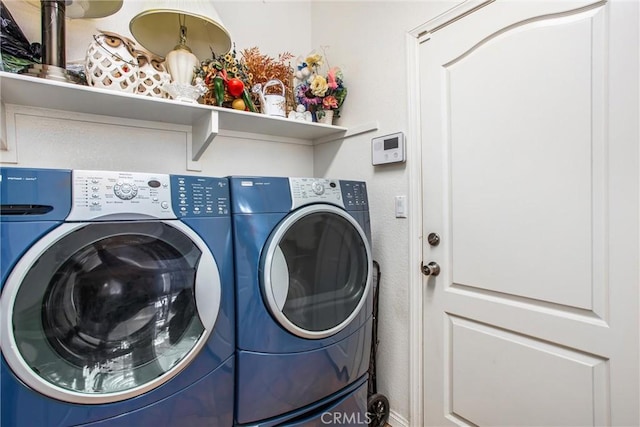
[
  {"x": 433, "y": 239},
  {"x": 431, "y": 269}
]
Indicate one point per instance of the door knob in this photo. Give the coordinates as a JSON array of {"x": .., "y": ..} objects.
[{"x": 431, "y": 269}]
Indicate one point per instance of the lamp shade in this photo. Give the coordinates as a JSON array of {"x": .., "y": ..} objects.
[
  {"x": 157, "y": 28},
  {"x": 85, "y": 9}
]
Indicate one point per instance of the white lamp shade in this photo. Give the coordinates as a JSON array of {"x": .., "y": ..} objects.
[
  {"x": 85, "y": 9},
  {"x": 157, "y": 27}
]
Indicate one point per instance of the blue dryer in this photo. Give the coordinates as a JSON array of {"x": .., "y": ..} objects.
[
  {"x": 117, "y": 299},
  {"x": 303, "y": 302}
]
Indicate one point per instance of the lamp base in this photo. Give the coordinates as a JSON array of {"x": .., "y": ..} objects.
[{"x": 52, "y": 72}]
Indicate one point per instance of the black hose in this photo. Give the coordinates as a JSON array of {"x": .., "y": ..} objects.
[{"x": 373, "y": 384}]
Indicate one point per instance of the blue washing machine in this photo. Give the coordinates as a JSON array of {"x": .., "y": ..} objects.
[
  {"x": 303, "y": 302},
  {"x": 117, "y": 299}
]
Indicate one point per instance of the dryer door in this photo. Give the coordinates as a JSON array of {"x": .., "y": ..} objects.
[
  {"x": 316, "y": 271},
  {"x": 102, "y": 312}
]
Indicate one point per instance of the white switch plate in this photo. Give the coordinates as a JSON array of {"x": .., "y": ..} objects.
[{"x": 401, "y": 206}]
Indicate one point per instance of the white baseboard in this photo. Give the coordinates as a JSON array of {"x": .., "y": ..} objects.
[{"x": 397, "y": 420}]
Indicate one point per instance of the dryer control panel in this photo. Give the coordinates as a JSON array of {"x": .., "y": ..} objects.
[
  {"x": 350, "y": 195},
  {"x": 110, "y": 195},
  {"x": 305, "y": 191},
  {"x": 355, "y": 195}
]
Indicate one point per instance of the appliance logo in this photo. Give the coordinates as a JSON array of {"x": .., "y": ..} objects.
[
  {"x": 21, "y": 178},
  {"x": 252, "y": 183}
]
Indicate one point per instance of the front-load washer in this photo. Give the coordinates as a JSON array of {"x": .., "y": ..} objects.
[
  {"x": 117, "y": 299},
  {"x": 303, "y": 268}
]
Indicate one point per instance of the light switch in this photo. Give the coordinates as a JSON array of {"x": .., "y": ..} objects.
[{"x": 401, "y": 206}]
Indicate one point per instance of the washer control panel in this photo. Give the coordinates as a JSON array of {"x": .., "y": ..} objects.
[
  {"x": 197, "y": 196},
  {"x": 109, "y": 195},
  {"x": 305, "y": 191}
]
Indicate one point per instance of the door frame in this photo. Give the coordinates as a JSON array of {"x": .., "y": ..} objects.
[{"x": 414, "y": 38}]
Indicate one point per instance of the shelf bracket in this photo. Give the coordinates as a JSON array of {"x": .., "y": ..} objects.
[{"x": 204, "y": 129}]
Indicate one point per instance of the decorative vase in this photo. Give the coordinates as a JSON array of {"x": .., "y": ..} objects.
[
  {"x": 152, "y": 74},
  {"x": 111, "y": 64},
  {"x": 327, "y": 118}
]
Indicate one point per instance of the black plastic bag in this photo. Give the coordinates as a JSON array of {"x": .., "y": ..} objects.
[{"x": 17, "y": 52}]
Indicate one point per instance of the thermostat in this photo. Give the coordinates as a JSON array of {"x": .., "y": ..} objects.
[{"x": 388, "y": 149}]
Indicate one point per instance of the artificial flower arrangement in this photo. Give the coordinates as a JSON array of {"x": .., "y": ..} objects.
[
  {"x": 319, "y": 93},
  {"x": 230, "y": 79},
  {"x": 263, "y": 68}
]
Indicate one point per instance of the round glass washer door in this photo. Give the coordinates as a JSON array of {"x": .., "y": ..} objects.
[
  {"x": 316, "y": 271},
  {"x": 102, "y": 312}
]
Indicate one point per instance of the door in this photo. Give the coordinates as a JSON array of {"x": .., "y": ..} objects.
[
  {"x": 316, "y": 271},
  {"x": 529, "y": 127},
  {"x": 103, "y": 312}
]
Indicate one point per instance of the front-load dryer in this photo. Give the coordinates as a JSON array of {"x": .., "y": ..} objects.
[
  {"x": 117, "y": 299},
  {"x": 304, "y": 308}
]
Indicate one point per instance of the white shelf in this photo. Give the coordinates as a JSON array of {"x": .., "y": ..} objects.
[{"x": 206, "y": 121}]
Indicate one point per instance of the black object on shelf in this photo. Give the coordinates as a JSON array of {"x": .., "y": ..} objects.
[{"x": 16, "y": 51}]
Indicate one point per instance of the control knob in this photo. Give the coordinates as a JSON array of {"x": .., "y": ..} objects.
[
  {"x": 317, "y": 187},
  {"x": 125, "y": 191}
]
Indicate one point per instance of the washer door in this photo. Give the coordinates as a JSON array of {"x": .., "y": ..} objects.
[
  {"x": 316, "y": 271},
  {"x": 102, "y": 312}
]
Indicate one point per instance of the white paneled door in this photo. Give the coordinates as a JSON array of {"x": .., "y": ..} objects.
[{"x": 529, "y": 127}]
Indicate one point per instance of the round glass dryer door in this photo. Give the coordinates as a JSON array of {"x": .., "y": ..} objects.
[
  {"x": 317, "y": 271},
  {"x": 102, "y": 312}
]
